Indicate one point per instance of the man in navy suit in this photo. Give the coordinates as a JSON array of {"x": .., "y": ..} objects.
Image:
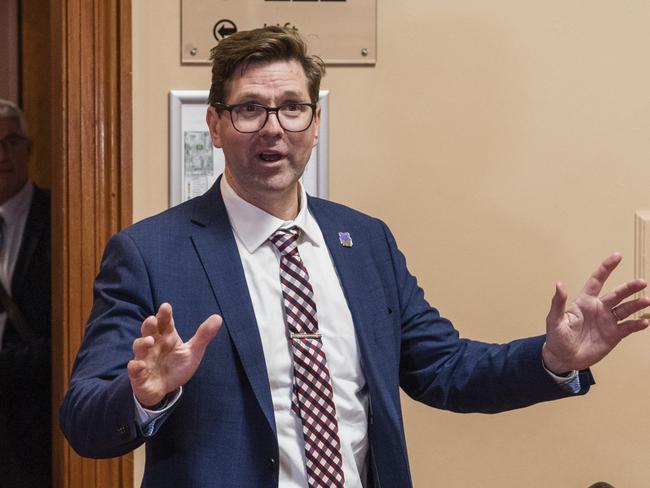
[
  {"x": 25, "y": 405},
  {"x": 223, "y": 405}
]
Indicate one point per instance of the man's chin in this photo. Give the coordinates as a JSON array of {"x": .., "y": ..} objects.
[{"x": 280, "y": 182}]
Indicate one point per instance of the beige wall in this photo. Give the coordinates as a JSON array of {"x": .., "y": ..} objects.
[{"x": 506, "y": 143}]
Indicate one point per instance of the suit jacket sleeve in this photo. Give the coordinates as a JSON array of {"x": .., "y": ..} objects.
[
  {"x": 439, "y": 368},
  {"x": 98, "y": 415}
]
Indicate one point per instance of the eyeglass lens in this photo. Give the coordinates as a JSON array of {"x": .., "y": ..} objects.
[
  {"x": 292, "y": 117},
  {"x": 12, "y": 142}
]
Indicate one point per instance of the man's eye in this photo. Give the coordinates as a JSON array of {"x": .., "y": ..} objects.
[
  {"x": 291, "y": 107},
  {"x": 249, "y": 107},
  {"x": 14, "y": 141}
]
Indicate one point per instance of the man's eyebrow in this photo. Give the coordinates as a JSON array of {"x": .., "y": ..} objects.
[
  {"x": 249, "y": 96},
  {"x": 293, "y": 93},
  {"x": 253, "y": 95}
]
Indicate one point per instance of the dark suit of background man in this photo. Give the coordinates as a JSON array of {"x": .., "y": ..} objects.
[
  {"x": 25, "y": 405},
  {"x": 224, "y": 405}
]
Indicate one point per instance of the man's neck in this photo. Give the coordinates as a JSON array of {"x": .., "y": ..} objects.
[{"x": 283, "y": 205}]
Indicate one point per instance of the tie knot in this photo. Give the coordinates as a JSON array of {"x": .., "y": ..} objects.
[{"x": 285, "y": 240}]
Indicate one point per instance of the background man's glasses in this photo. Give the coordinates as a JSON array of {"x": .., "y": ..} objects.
[
  {"x": 12, "y": 143},
  {"x": 251, "y": 117}
]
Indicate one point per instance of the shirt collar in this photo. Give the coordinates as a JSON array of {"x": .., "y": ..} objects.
[
  {"x": 254, "y": 226},
  {"x": 18, "y": 204}
]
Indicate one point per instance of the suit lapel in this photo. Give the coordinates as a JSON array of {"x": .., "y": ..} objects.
[
  {"x": 36, "y": 228},
  {"x": 215, "y": 244},
  {"x": 359, "y": 279}
]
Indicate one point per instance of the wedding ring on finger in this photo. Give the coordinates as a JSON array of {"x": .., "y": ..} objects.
[{"x": 613, "y": 310}]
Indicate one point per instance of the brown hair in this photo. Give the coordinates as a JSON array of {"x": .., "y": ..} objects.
[{"x": 262, "y": 45}]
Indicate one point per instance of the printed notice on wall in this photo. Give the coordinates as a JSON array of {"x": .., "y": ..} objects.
[{"x": 339, "y": 31}]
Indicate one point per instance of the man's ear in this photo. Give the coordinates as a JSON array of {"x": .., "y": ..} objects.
[
  {"x": 213, "y": 119},
  {"x": 316, "y": 124}
]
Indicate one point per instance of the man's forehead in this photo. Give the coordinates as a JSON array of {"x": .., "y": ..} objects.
[
  {"x": 253, "y": 78},
  {"x": 270, "y": 65},
  {"x": 10, "y": 125}
]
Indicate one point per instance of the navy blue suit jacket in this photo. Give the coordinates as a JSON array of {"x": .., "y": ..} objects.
[{"x": 222, "y": 431}]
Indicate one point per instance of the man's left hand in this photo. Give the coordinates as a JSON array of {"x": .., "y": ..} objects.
[{"x": 579, "y": 336}]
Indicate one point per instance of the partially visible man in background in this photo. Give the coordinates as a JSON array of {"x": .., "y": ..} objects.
[{"x": 25, "y": 302}]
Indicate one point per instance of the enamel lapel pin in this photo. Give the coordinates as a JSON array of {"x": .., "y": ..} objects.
[{"x": 345, "y": 239}]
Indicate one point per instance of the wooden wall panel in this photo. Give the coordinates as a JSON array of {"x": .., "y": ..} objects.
[
  {"x": 9, "y": 51},
  {"x": 91, "y": 179},
  {"x": 36, "y": 70}
]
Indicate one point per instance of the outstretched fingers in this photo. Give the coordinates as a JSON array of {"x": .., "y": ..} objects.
[
  {"x": 135, "y": 367},
  {"x": 205, "y": 333},
  {"x": 142, "y": 346},
  {"x": 629, "y": 308},
  {"x": 558, "y": 305},
  {"x": 159, "y": 324},
  {"x": 165, "y": 318},
  {"x": 620, "y": 293},
  {"x": 597, "y": 280},
  {"x": 630, "y": 326},
  {"x": 149, "y": 326}
]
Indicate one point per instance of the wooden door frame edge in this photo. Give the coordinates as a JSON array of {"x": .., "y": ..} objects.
[{"x": 91, "y": 116}]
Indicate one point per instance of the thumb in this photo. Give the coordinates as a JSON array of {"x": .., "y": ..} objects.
[
  {"x": 205, "y": 333},
  {"x": 558, "y": 304}
]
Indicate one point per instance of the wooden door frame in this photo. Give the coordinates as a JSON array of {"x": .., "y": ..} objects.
[{"x": 91, "y": 116}]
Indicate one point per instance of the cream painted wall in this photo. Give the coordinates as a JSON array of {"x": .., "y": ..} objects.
[{"x": 507, "y": 145}]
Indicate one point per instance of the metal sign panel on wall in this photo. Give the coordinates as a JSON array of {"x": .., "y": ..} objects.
[{"x": 339, "y": 31}]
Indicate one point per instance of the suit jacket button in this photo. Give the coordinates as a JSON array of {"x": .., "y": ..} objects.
[
  {"x": 123, "y": 431},
  {"x": 272, "y": 463}
]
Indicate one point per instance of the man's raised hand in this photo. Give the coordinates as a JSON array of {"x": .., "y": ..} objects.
[
  {"x": 162, "y": 362},
  {"x": 579, "y": 336}
]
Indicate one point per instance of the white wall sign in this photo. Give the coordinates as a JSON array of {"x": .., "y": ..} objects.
[
  {"x": 339, "y": 31},
  {"x": 195, "y": 164}
]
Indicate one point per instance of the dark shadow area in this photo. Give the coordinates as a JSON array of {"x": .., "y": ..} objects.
[{"x": 25, "y": 248}]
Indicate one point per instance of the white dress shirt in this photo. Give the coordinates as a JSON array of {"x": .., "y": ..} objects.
[
  {"x": 252, "y": 228},
  {"x": 14, "y": 213}
]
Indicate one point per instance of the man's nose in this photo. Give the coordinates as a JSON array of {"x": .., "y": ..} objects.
[{"x": 272, "y": 126}]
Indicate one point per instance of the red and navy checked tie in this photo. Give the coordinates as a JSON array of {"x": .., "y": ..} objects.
[{"x": 312, "y": 399}]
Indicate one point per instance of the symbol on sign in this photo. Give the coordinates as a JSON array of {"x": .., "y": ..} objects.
[
  {"x": 287, "y": 25},
  {"x": 224, "y": 28}
]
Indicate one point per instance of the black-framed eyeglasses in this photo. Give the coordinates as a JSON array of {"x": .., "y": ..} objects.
[
  {"x": 251, "y": 117},
  {"x": 12, "y": 142}
]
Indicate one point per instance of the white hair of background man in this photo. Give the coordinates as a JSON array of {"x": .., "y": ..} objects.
[{"x": 10, "y": 110}]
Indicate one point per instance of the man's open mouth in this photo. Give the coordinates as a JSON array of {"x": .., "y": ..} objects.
[{"x": 270, "y": 157}]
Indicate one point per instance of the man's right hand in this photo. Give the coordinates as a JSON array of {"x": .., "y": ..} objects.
[{"x": 162, "y": 362}]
